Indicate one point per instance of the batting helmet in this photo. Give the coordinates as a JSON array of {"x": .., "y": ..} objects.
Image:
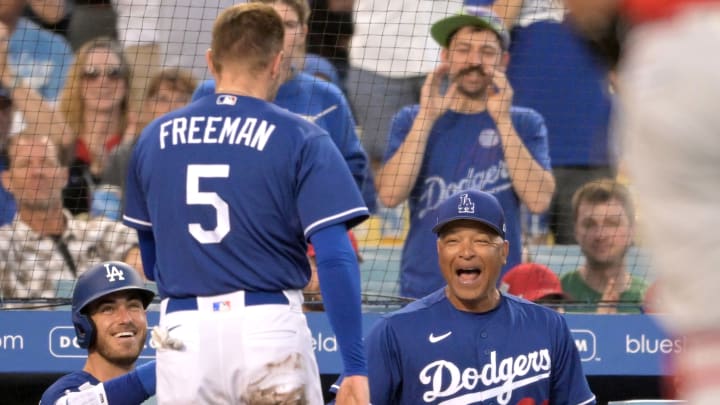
[{"x": 99, "y": 281}]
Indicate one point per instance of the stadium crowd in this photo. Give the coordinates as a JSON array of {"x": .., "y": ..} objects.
[{"x": 91, "y": 74}]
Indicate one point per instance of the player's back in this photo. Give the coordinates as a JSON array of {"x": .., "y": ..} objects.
[{"x": 229, "y": 186}]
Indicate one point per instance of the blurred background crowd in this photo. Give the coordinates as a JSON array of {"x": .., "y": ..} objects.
[{"x": 81, "y": 79}]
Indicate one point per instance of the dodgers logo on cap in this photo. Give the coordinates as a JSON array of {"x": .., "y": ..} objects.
[
  {"x": 466, "y": 205},
  {"x": 474, "y": 205}
]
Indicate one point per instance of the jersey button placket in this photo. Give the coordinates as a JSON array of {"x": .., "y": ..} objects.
[{"x": 484, "y": 335}]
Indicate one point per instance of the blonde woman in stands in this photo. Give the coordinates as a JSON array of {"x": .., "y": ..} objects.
[
  {"x": 168, "y": 90},
  {"x": 95, "y": 103}
]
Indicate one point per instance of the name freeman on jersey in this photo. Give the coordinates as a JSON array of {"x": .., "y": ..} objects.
[
  {"x": 492, "y": 373},
  {"x": 252, "y": 133}
]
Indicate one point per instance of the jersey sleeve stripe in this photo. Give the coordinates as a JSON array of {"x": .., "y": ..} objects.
[
  {"x": 589, "y": 401},
  {"x": 327, "y": 220},
  {"x": 137, "y": 221}
]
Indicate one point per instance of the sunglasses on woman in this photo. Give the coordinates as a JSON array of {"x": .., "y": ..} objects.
[{"x": 113, "y": 73}]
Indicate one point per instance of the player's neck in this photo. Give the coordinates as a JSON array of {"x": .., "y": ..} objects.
[
  {"x": 102, "y": 369},
  {"x": 480, "y": 304},
  {"x": 248, "y": 87}
]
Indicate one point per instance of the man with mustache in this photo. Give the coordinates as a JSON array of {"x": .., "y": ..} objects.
[{"x": 469, "y": 137}]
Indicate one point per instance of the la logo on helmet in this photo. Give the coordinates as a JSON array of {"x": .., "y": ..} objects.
[{"x": 111, "y": 272}]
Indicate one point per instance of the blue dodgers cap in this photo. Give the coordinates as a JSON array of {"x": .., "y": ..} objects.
[
  {"x": 473, "y": 205},
  {"x": 470, "y": 16}
]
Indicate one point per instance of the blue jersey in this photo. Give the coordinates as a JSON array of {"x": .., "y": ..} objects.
[
  {"x": 232, "y": 187},
  {"x": 322, "y": 103},
  {"x": 68, "y": 383},
  {"x": 518, "y": 353},
  {"x": 463, "y": 152},
  {"x": 553, "y": 71}
]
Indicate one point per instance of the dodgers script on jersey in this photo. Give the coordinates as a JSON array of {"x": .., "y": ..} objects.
[
  {"x": 453, "y": 357},
  {"x": 221, "y": 181},
  {"x": 463, "y": 152}
]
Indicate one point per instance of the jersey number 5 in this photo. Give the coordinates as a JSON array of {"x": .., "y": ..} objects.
[{"x": 197, "y": 197}]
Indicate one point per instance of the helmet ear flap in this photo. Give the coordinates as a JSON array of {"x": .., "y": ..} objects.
[{"x": 84, "y": 329}]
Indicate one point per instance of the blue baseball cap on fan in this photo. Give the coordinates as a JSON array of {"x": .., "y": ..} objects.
[{"x": 474, "y": 205}]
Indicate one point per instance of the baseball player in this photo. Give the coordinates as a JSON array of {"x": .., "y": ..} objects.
[
  {"x": 225, "y": 192},
  {"x": 467, "y": 342},
  {"x": 470, "y": 136},
  {"x": 108, "y": 312}
]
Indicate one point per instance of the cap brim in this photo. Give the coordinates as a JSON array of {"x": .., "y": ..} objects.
[
  {"x": 437, "y": 228},
  {"x": 443, "y": 29}
]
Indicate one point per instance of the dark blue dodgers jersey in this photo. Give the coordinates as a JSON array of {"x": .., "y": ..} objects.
[
  {"x": 72, "y": 382},
  {"x": 232, "y": 187},
  {"x": 519, "y": 353}
]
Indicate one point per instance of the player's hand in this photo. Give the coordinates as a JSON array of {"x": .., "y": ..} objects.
[
  {"x": 500, "y": 96},
  {"x": 354, "y": 390},
  {"x": 161, "y": 339},
  {"x": 433, "y": 104}
]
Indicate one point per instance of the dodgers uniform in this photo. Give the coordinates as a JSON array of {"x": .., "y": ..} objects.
[
  {"x": 463, "y": 152},
  {"x": 519, "y": 353},
  {"x": 231, "y": 188}
]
